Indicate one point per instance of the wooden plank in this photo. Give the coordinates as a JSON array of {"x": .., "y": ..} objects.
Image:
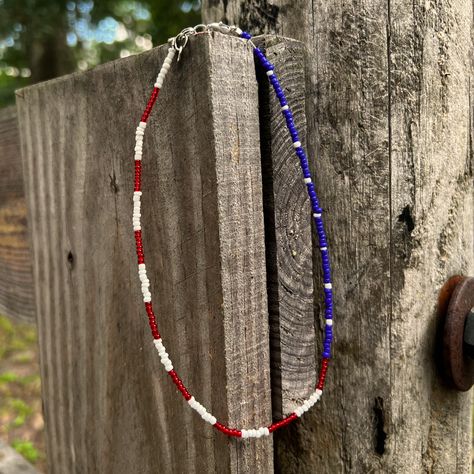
[
  {"x": 109, "y": 406},
  {"x": 389, "y": 115},
  {"x": 432, "y": 221},
  {"x": 16, "y": 278},
  {"x": 288, "y": 240}
]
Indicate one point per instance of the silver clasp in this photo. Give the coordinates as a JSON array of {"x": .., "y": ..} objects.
[{"x": 180, "y": 41}]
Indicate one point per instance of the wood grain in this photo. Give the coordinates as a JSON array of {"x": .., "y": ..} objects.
[
  {"x": 16, "y": 277},
  {"x": 389, "y": 113},
  {"x": 109, "y": 406},
  {"x": 288, "y": 240}
]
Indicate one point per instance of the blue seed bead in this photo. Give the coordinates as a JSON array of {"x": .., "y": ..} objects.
[
  {"x": 245, "y": 35},
  {"x": 304, "y": 163},
  {"x": 315, "y": 206}
]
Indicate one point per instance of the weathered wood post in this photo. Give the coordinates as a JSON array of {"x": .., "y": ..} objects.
[
  {"x": 109, "y": 407},
  {"x": 389, "y": 113}
]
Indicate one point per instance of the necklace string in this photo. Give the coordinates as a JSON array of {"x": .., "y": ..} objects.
[{"x": 178, "y": 43}]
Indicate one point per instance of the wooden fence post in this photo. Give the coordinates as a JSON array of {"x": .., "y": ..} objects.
[
  {"x": 109, "y": 407},
  {"x": 288, "y": 236},
  {"x": 389, "y": 113},
  {"x": 16, "y": 277}
]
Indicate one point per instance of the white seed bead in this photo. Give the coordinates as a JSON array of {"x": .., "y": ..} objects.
[
  {"x": 146, "y": 299},
  {"x": 307, "y": 180},
  {"x": 165, "y": 68},
  {"x": 159, "y": 84},
  {"x": 138, "y": 157},
  {"x": 137, "y": 227},
  {"x": 328, "y": 286},
  {"x": 323, "y": 249},
  {"x": 238, "y": 31},
  {"x": 297, "y": 144},
  {"x": 328, "y": 322},
  {"x": 285, "y": 107},
  {"x": 168, "y": 60},
  {"x": 270, "y": 72},
  {"x": 142, "y": 125},
  {"x": 316, "y": 215},
  {"x": 299, "y": 411},
  {"x": 319, "y": 391}
]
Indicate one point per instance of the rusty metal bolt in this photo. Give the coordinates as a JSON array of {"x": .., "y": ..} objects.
[{"x": 456, "y": 306}]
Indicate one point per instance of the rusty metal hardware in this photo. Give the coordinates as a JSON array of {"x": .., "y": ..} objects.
[
  {"x": 469, "y": 335},
  {"x": 456, "y": 306}
]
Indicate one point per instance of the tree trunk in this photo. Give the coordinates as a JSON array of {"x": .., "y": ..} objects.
[{"x": 389, "y": 116}]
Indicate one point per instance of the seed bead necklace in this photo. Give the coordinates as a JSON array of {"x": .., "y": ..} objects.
[{"x": 177, "y": 45}]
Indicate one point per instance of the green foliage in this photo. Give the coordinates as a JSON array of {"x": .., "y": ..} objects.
[
  {"x": 21, "y": 410},
  {"x": 41, "y": 39},
  {"x": 26, "y": 449},
  {"x": 8, "y": 377}
]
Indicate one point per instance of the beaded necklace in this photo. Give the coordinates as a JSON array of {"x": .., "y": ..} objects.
[{"x": 177, "y": 45}]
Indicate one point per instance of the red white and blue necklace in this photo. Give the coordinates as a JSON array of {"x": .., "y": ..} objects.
[{"x": 177, "y": 45}]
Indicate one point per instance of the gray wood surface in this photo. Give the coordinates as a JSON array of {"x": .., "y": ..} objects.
[
  {"x": 389, "y": 112},
  {"x": 288, "y": 240},
  {"x": 109, "y": 406},
  {"x": 16, "y": 277}
]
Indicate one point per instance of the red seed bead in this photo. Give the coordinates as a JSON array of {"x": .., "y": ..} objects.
[
  {"x": 150, "y": 104},
  {"x": 179, "y": 384},
  {"x": 286, "y": 421}
]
